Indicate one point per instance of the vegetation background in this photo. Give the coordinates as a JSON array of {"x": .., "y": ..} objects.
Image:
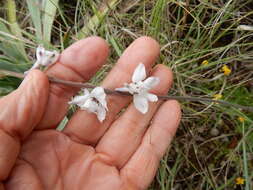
[{"x": 214, "y": 144}]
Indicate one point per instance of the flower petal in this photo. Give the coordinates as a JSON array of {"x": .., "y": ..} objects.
[
  {"x": 122, "y": 89},
  {"x": 100, "y": 95},
  {"x": 150, "y": 82},
  {"x": 90, "y": 106},
  {"x": 101, "y": 114},
  {"x": 40, "y": 51},
  {"x": 152, "y": 97},
  {"x": 86, "y": 91},
  {"x": 98, "y": 92},
  {"x": 79, "y": 100},
  {"x": 139, "y": 73},
  {"x": 51, "y": 57},
  {"x": 141, "y": 103}
]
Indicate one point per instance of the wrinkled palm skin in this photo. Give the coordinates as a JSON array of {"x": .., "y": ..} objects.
[
  {"x": 51, "y": 160},
  {"x": 121, "y": 153}
]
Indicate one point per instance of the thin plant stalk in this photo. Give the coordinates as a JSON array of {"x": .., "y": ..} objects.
[
  {"x": 113, "y": 92},
  {"x": 245, "y": 163}
]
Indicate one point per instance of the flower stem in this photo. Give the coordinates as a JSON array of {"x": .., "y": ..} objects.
[{"x": 108, "y": 91}]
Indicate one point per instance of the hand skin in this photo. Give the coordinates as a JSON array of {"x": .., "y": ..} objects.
[{"x": 121, "y": 153}]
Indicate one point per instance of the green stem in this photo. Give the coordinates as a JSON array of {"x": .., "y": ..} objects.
[
  {"x": 245, "y": 161},
  {"x": 113, "y": 92},
  {"x": 11, "y": 11},
  {"x": 14, "y": 27}
]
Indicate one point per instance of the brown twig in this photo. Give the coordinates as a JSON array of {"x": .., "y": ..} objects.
[{"x": 108, "y": 91}]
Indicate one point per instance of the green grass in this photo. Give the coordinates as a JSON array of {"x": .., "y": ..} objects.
[{"x": 189, "y": 32}]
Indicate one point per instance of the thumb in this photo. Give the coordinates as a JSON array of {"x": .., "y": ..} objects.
[{"x": 20, "y": 111}]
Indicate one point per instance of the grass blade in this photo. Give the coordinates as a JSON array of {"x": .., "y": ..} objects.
[
  {"x": 34, "y": 7},
  {"x": 48, "y": 19},
  {"x": 8, "y": 64},
  {"x": 9, "y": 44},
  {"x": 157, "y": 15},
  {"x": 96, "y": 20},
  {"x": 245, "y": 161}
]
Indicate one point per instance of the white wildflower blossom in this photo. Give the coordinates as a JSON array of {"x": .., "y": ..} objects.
[
  {"x": 140, "y": 87},
  {"x": 93, "y": 101},
  {"x": 45, "y": 58}
]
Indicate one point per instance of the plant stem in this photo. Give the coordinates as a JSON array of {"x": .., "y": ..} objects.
[
  {"x": 14, "y": 27},
  {"x": 113, "y": 92},
  {"x": 245, "y": 161},
  {"x": 11, "y": 11}
]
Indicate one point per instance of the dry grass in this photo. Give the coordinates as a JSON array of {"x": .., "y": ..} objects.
[{"x": 212, "y": 147}]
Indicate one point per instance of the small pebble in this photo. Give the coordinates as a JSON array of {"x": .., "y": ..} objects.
[
  {"x": 225, "y": 139},
  {"x": 214, "y": 132}
]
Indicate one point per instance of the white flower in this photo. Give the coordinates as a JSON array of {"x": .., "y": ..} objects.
[
  {"x": 93, "y": 101},
  {"x": 140, "y": 87},
  {"x": 45, "y": 58}
]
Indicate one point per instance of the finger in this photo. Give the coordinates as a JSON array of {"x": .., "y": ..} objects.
[
  {"x": 131, "y": 126},
  {"x": 154, "y": 145},
  {"x": 23, "y": 176},
  {"x": 20, "y": 113},
  {"x": 77, "y": 63},
  {"x": 143, "y": 50}
]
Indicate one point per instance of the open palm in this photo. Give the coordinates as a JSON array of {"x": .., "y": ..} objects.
[{"x": 123, "y": 152}]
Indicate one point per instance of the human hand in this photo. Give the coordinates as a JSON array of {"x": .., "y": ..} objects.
[{"x": 121, "y": 153}]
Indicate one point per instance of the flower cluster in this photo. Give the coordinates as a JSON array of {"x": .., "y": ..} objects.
[
  {"x": 44, "y": 58},
  {"x": 139, "y": 89},
  {"x": 239, "y": 181},
  {"x": 241, "y": 119},
  {"x": 217, "y": 96},
  {"x": 95, "y": 101},
  {"x": 205, "y": 62},
  {"x": 226, "y": 70}
]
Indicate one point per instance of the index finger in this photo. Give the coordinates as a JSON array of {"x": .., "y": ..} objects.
[{"x": 77, "y": 63}]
